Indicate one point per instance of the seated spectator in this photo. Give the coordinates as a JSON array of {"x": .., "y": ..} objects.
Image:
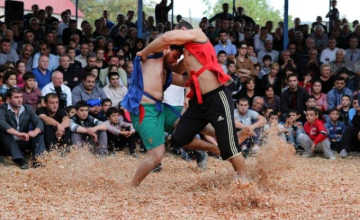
[
  {"x": 68, "y": 73},
  {"x": 90, "y": 63},
  {"x": 73, "y": 64},
  {"x": 329, "y": 54},
  {"x": 339, "y": 64},
  {"x": 248, "y": 91},
  {"x": 221, "y": 56},
  {"x": 320, "y": 98},
  {"x": 20, "y": 69},
  {"x": 352, "y": 54},
  {"x": 42, "y": 73},
  {"x": 251, "y": 54},
  {"x": 114, "y": 91},
  {"x": 70, "y": 30},
  {"x": 270, "y": 99},
  {"x": 261, "y": 38},
  {"x": 266, "y": 66},
  {"x": 15, "y": 120},
  {"x": 84, "y": 52},
  {"x": 6, "y": 53},
  {"x": 53, "y": 61},
  {"x": 351, "y": 138},
  {"x": 258, "y": 104},
  {"x": 312, "y": 64},
  {"x": 315, "y": 137},
  {"x": 245, "y": 117},
  {"x": 85, "y": 128},
  {"x": 268, "y": 51},
  {"x": 244, "y": 66},
  {"x": 334, "y": 96},
  {"x": 320, "y": 38},
  {"x": 273, "y": 79},
  {"x": 352, "y": 111},
  {"x": 119, "y": 132},
  {"x": 56, "y": 123},
  {"x": 294, "y": 126},
  {"x": 86, "y": 91},
  {"x": 25, "y": 56},
  {"x": 294, "y": 97},
  {"x": 274, "y": 122},
  {"x": 31, "y": 94},
  {"x": 113, "y": 60},
  {"x": 225, "y": 45},
  {"x": 57, "y": 86},
  {"x": 9, "y": 81},
  {"x": 327, "y": 81},
  {"x": 234, "y": 87},
  {"x": 105, "y": 105},
  {"x": 310, "y": 104},
  {"x": 70, "y": 111},
  {"x": 335, "y": 128},
  {"x": 345, "y": 74}
]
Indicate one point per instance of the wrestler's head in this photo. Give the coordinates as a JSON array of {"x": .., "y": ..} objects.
[
  {"x": 172, "y": 54},
  {"x": 183, "y": 25}
]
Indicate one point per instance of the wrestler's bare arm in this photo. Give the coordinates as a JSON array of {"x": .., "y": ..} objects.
[
  {"x": 179, "y": 80},
  {"x": 175, "y": 37},
  {"x": 180, "y": 67}
]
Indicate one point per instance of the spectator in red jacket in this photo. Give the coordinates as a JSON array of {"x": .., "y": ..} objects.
[{"x": 315, "y": 137}]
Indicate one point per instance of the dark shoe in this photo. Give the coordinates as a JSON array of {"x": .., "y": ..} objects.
[
  {"x": 133, "y": 154},
  {"x": 157, "y": 168},
  {"x": 24, "y": 166},
  {"x": 142, "y": 150},
  {"x": 2, "y": 159}
]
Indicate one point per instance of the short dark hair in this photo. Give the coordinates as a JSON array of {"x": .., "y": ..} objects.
[
  {"x": 293, "y": 111},
  {"x": 311, "y": 97},
  {"x": 112, "y": 74},
  {"x": 221, "y": 52},
  {"x": 13, "y": 90},
  {"x": 69, "y": 108},
  {"x": 88, "y": 75},
  {"x": 229, "y": 62},
  {"x": 105, "y": 100},
  {"x": 274, "y": 113},
  {"x": 339, "y": 78},
  {"x": 292, "y": 75},
  {"x": 80, "y": 104},
  {"x": 243, "y": 100},
  {"x": 266, "y": 57},
  {"x": 4, "y": 40},
  {"x": 50, "y": 95},
  {"x": 28, "y": 75},
  {"x": 184, "y": 24},
  {"x": 333, "y": 110},
  {"x": 223, "y": 31},
  {"x": 111, "y": 111},
  {"x": 315, "y": 110},
  {"x": 8, "y": 74},
  {"x": 346, "y": 95}
]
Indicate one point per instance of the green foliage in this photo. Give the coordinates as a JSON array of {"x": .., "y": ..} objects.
[
  {"x": 93, "y": 9},
  {"x": 259, "y": 10}
]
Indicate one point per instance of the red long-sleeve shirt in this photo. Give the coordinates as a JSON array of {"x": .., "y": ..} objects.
[{"x": 316, "y": 132}]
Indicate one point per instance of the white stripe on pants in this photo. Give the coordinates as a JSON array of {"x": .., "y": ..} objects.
[{"x": 323, "y": 146}]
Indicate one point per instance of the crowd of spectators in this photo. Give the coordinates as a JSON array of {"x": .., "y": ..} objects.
[{"x": 61, "y": 85}]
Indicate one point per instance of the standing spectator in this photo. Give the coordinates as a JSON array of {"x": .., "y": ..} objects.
[
  {"x": 328, "y": 54},
  {"x": 49, "y": 18},
  {"x": 86, "y": 91},
  {"x": 334, "y": 95},
  {"x": 28, "y": 39},
  {"x": 31, "y": 94},
  {"x": 10, "y": 36},
  {"x": 65, "y": 17},
  {"x": 116, "y": 28},
  {"x": 129, "y": 17},
  {"x": 6, "y": 53},
  {"x": 45, "y": 51},
  {"x": 294, "y": 97},
  {"x": 15, "y": 120},
  {"x": 162, "y": 11},
  {"x": 69, "y": 31},
  {"x": 240, "y": 14},
  {"x": 34, "y": 26},
  {"x": 56, "y": 122},
  {"x": 261, "y": 38},
  {"x": 318, "y": 22},
  {"x": 35, "y": 10},
  {"x": 114, "y": 90},
  {"x": 315, "y": 137},
  {"x": 333, "y": 14},
  {"x": 42, "y": 73},
  {"x": 109, "y": 24},
  {"x": 320, "y": 38},
  {"x": 57, "y": 86},
  {"x": 84, "y": 52}
]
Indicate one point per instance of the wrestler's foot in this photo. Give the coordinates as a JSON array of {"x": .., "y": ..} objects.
[
  {"x": 202, "y": 161},
  {"x": 242, "y": 182}
]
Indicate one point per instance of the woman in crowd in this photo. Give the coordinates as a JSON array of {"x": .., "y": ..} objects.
[
  {"x": 272, "y": 79},
  {"x": 244, "y": 66},
  {"x": 270, "y": 99},
  {"x": 248, "y": 91},
  {"x": 321, "y": 98}
]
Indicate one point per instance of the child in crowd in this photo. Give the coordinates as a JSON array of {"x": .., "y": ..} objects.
[
  {"x": 335, "y": 129},
  {"x": 30, "y": 93},
  {"x": 119, "y": 132},
  {"x": 70, "y": 110},
  {"x": 294, "y": 126},
  {"x": 105, "y": 105},
  {"x": 274, "y": 122},
  {"x": 344, "y": 110},
  {"x": 267, "y": 113},
  {"x": 311, "y": 103},
  {"x": 265, "y": 69},
  {"x": 315, "y": 137},
  {"x": 41, "y": 102},
  {"x": 236, "y": 86},
  {"x": 9, "y": 81},
  {"x": 85, "y": 127},
  {"x": 21, "y": 69},
  {"x": 222, "y": 56}
]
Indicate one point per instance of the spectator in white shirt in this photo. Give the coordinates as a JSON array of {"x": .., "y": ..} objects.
[{"x": 329, "y": 53}]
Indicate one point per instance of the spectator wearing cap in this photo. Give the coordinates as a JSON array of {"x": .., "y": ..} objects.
[{"x": 6, "y": 53}]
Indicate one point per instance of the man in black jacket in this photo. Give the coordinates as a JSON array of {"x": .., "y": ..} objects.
[
  {"x": 15, "y": 119},
  {"x": 294, "y": 97}
]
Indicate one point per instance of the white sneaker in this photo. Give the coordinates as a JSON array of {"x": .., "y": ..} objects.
[
  {"x": 256, "y": 148},
  {"x": 343, "y": 153},
  {"x": 332, "y": 157}
]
